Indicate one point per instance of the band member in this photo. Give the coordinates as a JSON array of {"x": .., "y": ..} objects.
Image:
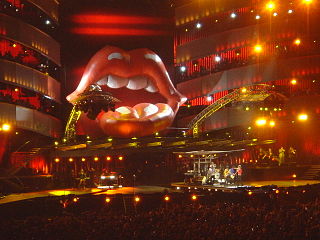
[
  {"x": 281, "y": 156},
  {"x": 226, "y": 174},
  {"x": 232, "y": 173},
  {"x": 82, "y": 177},
  {"x": 239, "y": 174},
  {"x": 210, "y": 175}
]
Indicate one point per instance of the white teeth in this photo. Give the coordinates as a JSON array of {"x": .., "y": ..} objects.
[
  {"x": 117, "y": 82},
  {"x": 153, "y": 57},
  {"x": 127, "y": 112},
  {"x": 134, "y": 83},
  {"x": 151, "y": 88},
  {"x": 137, "y": 83},
  {"x": 145, "y": 109},
  {"x": 103, "y": 81},
  {"x": 115, "y": 55}
]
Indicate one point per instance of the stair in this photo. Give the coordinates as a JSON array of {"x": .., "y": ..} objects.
[{"x": 313, "y": 173}]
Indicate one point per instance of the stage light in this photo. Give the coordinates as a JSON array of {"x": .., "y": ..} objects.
[
  {"x": 257, "y": 48},
  {"x": 247, "y": 108},
  {"x": 243, "y": 90},
  {"x": 64, "y": 140},
  {"x": 290, "y": 11},
  {"x": 137, "y": 199},
  {"x": 249, "y": 193},
  {"x": 307, "y": 1},
  {"x": 217, "y": 58},
  {"x": 302, "y": 117},
  {"x": 303, "y": 191},
  {"x": 198, "y": 25},
  {"x": 14, "y": 45},
  {"x": 272, "y": 123},
  {"x": 277, "y": 191},
  {"x": 70, "y": 159},
  {"x": 209, "y": 98},
  {"x": 194, "y": 197},
  {"x": 96, "y": 159},
  {"x": 108, "y": 158},
  {"x": 75, "y": 199},
  {"x": 166, "y": 198},
  {"x": 120, "y": 158},
  {"x": 56, "y": 143},
  {"x": 178, "y": 188},
  {"x": 258, "y": 17},
  {"x": 110, "y": 139},
  {"x": 16, "y": 89},
  {"x": 6, "y": 127},
  {"x": 275, "y": 14},
  {"x": 183, "y": 69},
  {"x": 88, "y": 137},
  {"x": 233, "y": 15},
  {"x": 57, "y": 160},
  {"x": 270, "y": 6},
  {"x": 108, "y": 200},
  {"x": 179, "y": 156},
  {"x": 297, "y": 41},
  {"x": 261, "y": 122},
  {"x": 294, "y": 175},
  {"x": 83, "y": 159},
  {"x": 17, "y": 133},
  {"x": 191, "y": 155},
  {"x": 293, "y": 81},
  {"x": 157, "y": 134},
  {"x": 47, "y": 22}
]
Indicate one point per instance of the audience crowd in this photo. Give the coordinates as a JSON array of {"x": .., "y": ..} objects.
[{"x": 257, "y": 216}]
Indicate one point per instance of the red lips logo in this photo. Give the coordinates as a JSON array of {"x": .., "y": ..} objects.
[{"x": 149, "y": 101}]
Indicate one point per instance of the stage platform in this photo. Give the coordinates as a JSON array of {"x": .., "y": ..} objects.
[
  {"x": 88, "y": 191},
  {"x": 245, "y": 184},
  {"x": 152, "y": 189}
]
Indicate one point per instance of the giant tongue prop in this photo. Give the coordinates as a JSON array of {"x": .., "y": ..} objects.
[{"x": 149, "y": 101}]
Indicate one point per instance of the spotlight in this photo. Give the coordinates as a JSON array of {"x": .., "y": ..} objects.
[
  {"x": 261, "y": 122},
  {"x": 293, "y": 81},
  {"x": 198, "y": 25},
  {"x": 47, "y": 22},
  {"x": 290, "y": 11},
  {"x": 303, "y": 117},
  {"x": 194, "y": 197},
  {"x": 6, "y": 127},
  {"x": 258, "y": 17},
  {"x": 270, "y": 6},
  {"x": 217, "y": 58},
  {"x": 297, "y": 41},
  {"x": 233, "y": 15},
  {"x": 137, "y": 199},
  {"x": 209, "y": 98},
  {"x": 257, "y": 48},
  {"x": 166, "y": 198},
  {"x": 183, "y": 69},
  {"x": 272, "y": 123}
]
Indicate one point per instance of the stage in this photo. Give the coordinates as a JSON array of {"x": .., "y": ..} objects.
[
  {"x": 153, "y": 189},
  {"x": 245, "y": 184}
]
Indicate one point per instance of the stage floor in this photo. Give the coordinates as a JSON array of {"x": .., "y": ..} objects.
[
  {"x": 231, "y": 187},
  {"x": 149, "y": 189}
]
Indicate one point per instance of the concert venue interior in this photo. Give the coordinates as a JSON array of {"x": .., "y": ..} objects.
[{"x": 148, "y": 119}]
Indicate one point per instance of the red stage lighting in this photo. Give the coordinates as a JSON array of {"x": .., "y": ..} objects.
[
  {"x": 118, "y": 19},
  {"x": 117, "y": 31}
]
